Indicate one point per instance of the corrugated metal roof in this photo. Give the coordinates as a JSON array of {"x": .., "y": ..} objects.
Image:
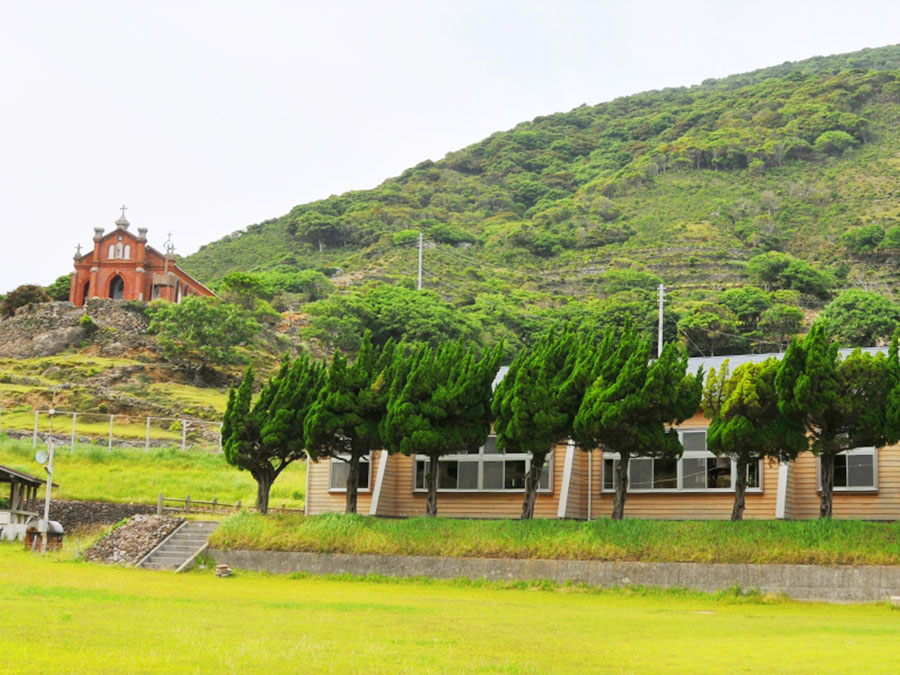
[
  {"x": 734, "y": 360},
  {"x": 6, "y": 474}
]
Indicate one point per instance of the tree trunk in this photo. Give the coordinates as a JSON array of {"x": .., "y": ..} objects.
[
  {"x": 618, "y": 512},
  {"x": 264, "y": 480},
  {"x": 826, "y": 462},
  {"x": 740, "y": 489},
  {"x": 431, "y": 479},
  {"x": 352, "y": 483},
  {"x": 532, "y": 482}
]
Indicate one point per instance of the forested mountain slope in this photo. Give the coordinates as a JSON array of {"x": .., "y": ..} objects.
[{"x": 580, "y": 214}]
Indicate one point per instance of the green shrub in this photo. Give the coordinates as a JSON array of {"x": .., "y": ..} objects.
[{"x": 834, "y": 142}]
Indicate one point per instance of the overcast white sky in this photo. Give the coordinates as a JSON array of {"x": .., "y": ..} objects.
[{"x": 205, "y": 117}]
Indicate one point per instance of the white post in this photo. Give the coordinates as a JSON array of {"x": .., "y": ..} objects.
[
  {"x": 74, "y": 416},
  {"x": 183, "y": 434},
  {"x": 109, "y": 442},
  {"x": 421, "y": 244},
  {"x": 659, "y": 341},
  {"x": 45, "y": 524},
  {"x": 34, "y": 436},
  {"x": 220, "y": 437},
  {"x": 147, "y": 439}
]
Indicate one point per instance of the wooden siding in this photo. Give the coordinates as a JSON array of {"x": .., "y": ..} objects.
[
  {"x": 405, "y": 502},
  {"x": 790, "y": 494},
  {"x": 576, "y": 506},
  {"x": 320, "y": 500},
  {"x": 883, "y": 504},
  {"x": 398, "y": 498},
  {"x": 687, "y": 505}
]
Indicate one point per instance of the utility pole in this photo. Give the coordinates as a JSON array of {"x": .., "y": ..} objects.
[
  {"x": 421, "y": 245},
  {"x": 45, "y": 524},
  {"x": 662, "y": 301}
]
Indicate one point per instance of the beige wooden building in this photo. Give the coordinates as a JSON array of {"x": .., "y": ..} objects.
[{"x": 577, "y": 484}]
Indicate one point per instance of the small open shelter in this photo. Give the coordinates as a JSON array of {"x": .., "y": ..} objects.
[{"x": 23, "y": 502}]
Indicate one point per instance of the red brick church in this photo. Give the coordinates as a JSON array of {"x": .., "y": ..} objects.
[{"x": 123, "y": 267}]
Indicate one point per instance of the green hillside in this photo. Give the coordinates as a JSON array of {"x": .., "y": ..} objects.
[{"x": 579, "y": 215}]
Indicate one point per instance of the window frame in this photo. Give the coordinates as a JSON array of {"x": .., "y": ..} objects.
[
  {"x": 687, "y": 454},
  {"x": 482, "y": 458},
  {"x": 863, "y": 450},
  {"x": 343, "y": 490}
]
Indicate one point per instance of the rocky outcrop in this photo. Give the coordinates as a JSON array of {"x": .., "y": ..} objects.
[
  {"x": 129, "y": 543},
  {"x": 41, "y": 330},
  {"x": 48, "y": 328}
]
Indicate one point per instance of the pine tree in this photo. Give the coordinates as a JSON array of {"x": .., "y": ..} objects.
[
  {"x": 746, "y": 424},
  {"x": 344, "y": 422},
  {"x": 265, "y": 437},
  {"x": 534, "y": 406},
  {"x": 843, "y": 404},
  {"x": 632, "y": 409},
  {"x": 443, "y": 407}
]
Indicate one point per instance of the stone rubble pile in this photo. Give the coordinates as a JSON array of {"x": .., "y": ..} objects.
[
  {"x": 48, "y": 328},
  {"x": 133, "y": 540}
]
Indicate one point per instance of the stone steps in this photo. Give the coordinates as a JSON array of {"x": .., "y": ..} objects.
[{"x": 181, "y": 547}]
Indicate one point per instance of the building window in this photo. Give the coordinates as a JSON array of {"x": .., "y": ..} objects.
[
  {"x": 698, "y": 470},
  {"x": 127, "y": 252},
  {"x": 112, "y": 251},
  {"x": 339, "y": 470},
  {"x": 854, "y": 470},
  {"x": 484, "y": 469}
]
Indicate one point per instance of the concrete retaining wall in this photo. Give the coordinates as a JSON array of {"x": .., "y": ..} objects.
[{"x": 838, "y": 583}]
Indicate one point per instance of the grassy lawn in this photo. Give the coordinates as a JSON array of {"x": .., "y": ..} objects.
[
  {"x": 802, "y": 542},
  {"x": 133, "y": 475},
  {"x": 191, "y": 396},
  {"x": 80, "y": 617},
  {"x": 73, "y": 365}
]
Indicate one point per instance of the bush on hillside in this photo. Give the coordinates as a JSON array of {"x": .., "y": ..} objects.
[
  {"x": 201, "y": 332},
  {"x": 861, "y": 319},
  {"x": 862, "y": 240},
  {"x": 834, "y": 142},
  {"x": 26, "y": 294},
  {"x": 59, "y": 289}
]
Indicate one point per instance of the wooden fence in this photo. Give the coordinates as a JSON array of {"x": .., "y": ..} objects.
[{"x": 188, "y": 505}]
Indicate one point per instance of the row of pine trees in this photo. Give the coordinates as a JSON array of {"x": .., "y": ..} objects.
[{"x": 604, "y": 392}]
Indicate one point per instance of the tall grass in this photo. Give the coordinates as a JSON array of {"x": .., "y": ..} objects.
[
  {"x": 799, "y": 542},
  {"x": 133, "y": 475}
]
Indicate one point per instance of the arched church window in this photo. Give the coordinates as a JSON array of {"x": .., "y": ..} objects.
[
  {"x": 119, "y": 250},
  {"x": 127, "y": 254},
  {"x": 112, "y": 251}
]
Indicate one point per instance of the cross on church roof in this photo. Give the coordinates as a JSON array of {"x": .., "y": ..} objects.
[{"x": 123, "y": 208}]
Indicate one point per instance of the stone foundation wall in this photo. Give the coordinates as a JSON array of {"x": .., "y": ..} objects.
[
  {"x": 837, "y": 583},
  {"x": 73, "y": 515}
]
